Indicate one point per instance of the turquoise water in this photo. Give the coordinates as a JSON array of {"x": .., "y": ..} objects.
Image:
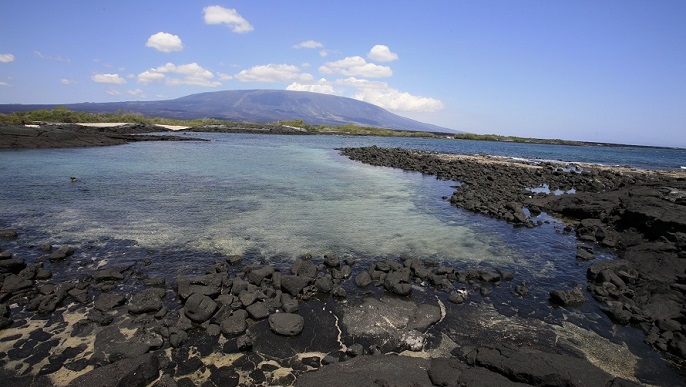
[{"x": 270, "y": 198}]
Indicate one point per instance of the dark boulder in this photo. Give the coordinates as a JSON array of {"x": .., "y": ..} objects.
[
  {"x": 294, "y": 284},
  {"x": 199, "y": 308},
  {"x": 139, "y": 371},
  {"x": 62, "y": 254},
  {"x": 12, "y": 265},
  {"x": 108, "y": 301},
  {"x": 235, "y": 324},
  {"x": 572, "y": 297},
  {"x": 363, "y": 279},
  {"x": 8, "y": 233},
  {"x": 286, "y": 324},
  {"x": 146, "y": 301}
]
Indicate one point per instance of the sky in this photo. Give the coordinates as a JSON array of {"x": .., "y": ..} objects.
[{"x": 602, "y": 71}]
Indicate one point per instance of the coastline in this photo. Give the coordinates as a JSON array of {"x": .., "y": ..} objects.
[{"x": 323, "y": 307}]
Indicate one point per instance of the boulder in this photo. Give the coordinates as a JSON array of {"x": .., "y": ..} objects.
[
  {"x": 363, "y": 279},
  {"x": 286, "y": 324},
  {"x": 108, "y": 301},
  {"x": 139, "y": 371},
  {"x": 235, "y": 324},
  {"x": 294, "y": 284},
  {"x": 258, "y": 311},
  {"x": 12, "y": 265},
  {"x": 256, "y": 275},
  {"x": 8, "y": 233},
  {"x": 199, "y": 308},
  {"x": 572, "y": 297},
  {"x": 146, "y": 301},
  {"x": 62, "y": 254}
]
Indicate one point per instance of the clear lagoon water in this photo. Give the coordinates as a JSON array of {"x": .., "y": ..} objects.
[{"x": 183, "y": 206}]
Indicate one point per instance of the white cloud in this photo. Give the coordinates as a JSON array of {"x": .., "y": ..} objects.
[
  {"x": 381, "y": 53},
  {"x": 309, "y": 44},
  {"x": 136, "y": 93},
  {"x": 108, "y": 78},
  {"x": 381, "y": 94},
  {"x": 190, "y": 74},
  {"x": 356, "y": 66},
  {"x": 66, "y": 81},
  {"x": 113, "y": 92},
  {"x": 5, "y": 84},
  {"x": 273, "y": 73},
  {"x": 6, "y": 58},
  {"x": 216, "y": 14},
  {"x": 165, "y": 42},
  {"x": 224, "y": 77},
  {"x": 322, "y": 86},
  {"x": 55, "y": 58}
]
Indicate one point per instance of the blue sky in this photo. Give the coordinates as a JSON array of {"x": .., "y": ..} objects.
[{"x": 612, "y": 71}]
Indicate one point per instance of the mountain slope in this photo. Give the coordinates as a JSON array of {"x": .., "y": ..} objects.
[{"x": 258, "y": 106}]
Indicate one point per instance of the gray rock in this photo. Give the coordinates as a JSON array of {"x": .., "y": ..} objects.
[
  {"x": 244, "y": 342},
  {"x": 286, "y": 324},
  {"x": 247, "y": 298},
  {"x": 235, "y": 324},
  {"x": 108, "y": 301},
  {"x": 572, "y": 297},
  {"x": 109, "y": 274},
  {"x": 62, "y": 253},
  {"x": 255, "y": 276},
  {"x": 8, "y": 233},
  {"x": 324, "y": 284},
  {"x": 139, "y": 371},
  {"x": 199, "y": 308},
  {"x": 258, "y": 311},
  {"x": 146, "y": 301},
  {"x": 289, "y": 304},
  {"x": 332, "y": 261},
  {"x": 370, "y": 371},
  {"x": 14, "y": 283},
  {"x": 363, "y": 279},
  {"x": 305, "y": 268},
  {"x": 294, "y": 284},
  {"x": 424, "y": 316},
  {"x": 12, "y": 265},
  {"x": 585, "y": 254}
]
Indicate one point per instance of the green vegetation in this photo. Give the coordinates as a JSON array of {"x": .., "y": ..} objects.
[
  {"x": 62, "y": 114},
  {"x": 495, "y": 137}
]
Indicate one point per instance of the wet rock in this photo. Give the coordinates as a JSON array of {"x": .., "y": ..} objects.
[
  {"x": 324, "y": 284},
  {"x": 79, "y": 295},
  {"x": 146, "y": 301},
  {"x": 355, "y": 350},
  {"x": 617, "y": 313},
  {"x": 539, "y": 368},
  {"x": 165, "y": 380},
  {"x": 159, "y": 281},
  {"x": 332, "y": 261},
  {"x": 62, "y": 254},
  {"x": 256, "y": 275},
  {"x": 244, "y": 342},
  {"x": 258, "y": 311},
  {"x": 286, "y": 324},
  {"x": 139, "y": 371},
  {"x": 43, "y": 274},
  {"x": 362, "y": 370},
  {"x": 584, "y": 253},
  {"x": 14, "y": 283},
  {"x": 109, "y": 274},
  {"x": 363, "y": 279},
  {"x": 445, "y": 372},
  {"x": 572, "y": 297},
  {"x": 207, "y": 285},
  {"x": 289, "y": 304},
  {"x": 247, "y": 298},
  {"x": 425, "y": 315},
  {"x": 108, "y": 301},
  {"x": 235, "y": 324},
  {"x": 338, "y": 292},
  {"x": 177, "y": 337},
  {"x": 458, "y": 297},
  {"x": 234, "y": 259},
  {"x": 8, "y": 233},
  {"x": 199, "y": 308},
  {"x": 294, "y": 284},
  {"x": 12, "y": 265}
]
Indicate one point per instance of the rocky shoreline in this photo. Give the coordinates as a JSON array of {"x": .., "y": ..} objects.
[
  {"x": 67, "y": 319},
  {"x": 641, "y": 214},
  {"x": 74, "y": 135}
]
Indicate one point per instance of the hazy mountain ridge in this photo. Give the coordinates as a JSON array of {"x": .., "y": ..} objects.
[{"x": 257, "y": 106}]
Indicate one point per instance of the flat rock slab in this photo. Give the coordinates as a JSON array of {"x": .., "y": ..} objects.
[
  {"x": 139, "y": 371},
  {"x": 372, "y": 371},
  {"x": 388, "y": 317},
  {"x": 286, "y": 324}
]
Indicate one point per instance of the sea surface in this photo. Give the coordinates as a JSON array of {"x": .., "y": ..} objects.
[{"x": 182, "y": 206}]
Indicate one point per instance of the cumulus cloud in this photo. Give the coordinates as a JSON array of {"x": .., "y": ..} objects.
[
  {"x": 108, "y": 78},
  {"x": 273, "y": 73},
  {"x": 322, "y": 86},
  {"x": 6, "y": 58},
  {"x": 381, "y": 53},
  {"x": 381, "y": 94},
  {"x": 165, "y": 42},
  {"x": 67, "y": 81},
  {"x": 216, "y": 14},
  {"x": 309, "y": 44},
  {"x": 356, "y": 66},
  {"x": 173, "y": 75}
]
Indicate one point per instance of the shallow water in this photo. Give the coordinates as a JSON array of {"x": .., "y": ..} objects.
[{"x": 185, "y": 205}]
